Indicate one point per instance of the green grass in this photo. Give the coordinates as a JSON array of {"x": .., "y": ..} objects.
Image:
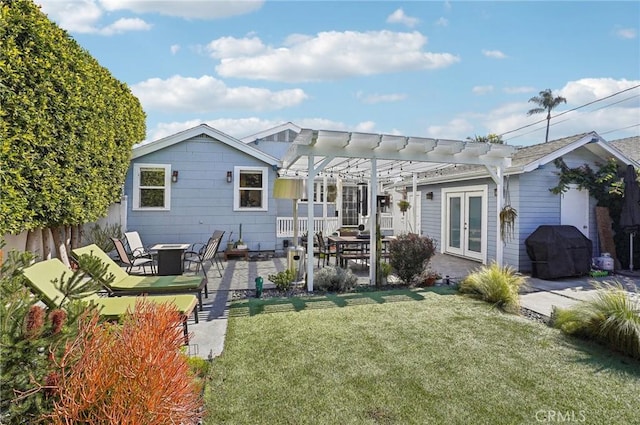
[{"x": 409, "y": 357}]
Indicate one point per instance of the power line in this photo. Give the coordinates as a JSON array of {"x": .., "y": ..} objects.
[{"x": 573, "y": 109}]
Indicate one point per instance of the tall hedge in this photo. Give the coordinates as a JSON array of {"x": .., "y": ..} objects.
[{"x": 67, "y": 126}]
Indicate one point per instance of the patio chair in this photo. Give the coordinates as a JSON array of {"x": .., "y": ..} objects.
[
  {"x": 126, "y": 284},
  {"x": 324, "y": 251},
  {"x": 206, "y": 253},
  {"x": 41, "y": 276},
  {"x": 131, "y": 260},
  {"x": 136, "y": 248}
]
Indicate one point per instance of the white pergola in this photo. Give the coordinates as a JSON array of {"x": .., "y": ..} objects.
[{"x": 380, "y": 157}]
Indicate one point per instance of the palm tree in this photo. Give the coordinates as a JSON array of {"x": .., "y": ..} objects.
[{"x": 547, "y": 103}]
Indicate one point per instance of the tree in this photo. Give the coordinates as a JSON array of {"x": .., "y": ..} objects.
[
  {"x": 547, "y": 103},
  {"x": 67, "y": 127},
  {"x": 490, "y": 138}
]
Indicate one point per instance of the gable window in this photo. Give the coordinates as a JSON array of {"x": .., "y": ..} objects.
[
  {"x": 250, "y": 189},
  {"x": 152, "y": 187}
]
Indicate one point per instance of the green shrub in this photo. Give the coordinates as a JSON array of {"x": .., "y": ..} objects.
[
  {"x": 612, "y": 317},
  {"x": 31, "y": 336},
  {"x": 495, "y": 284},
  {"x": 335, "y": 279},
  {"x": 101, "y": 236},
  {"x": 282, "y": 280},
  {"x": 409, "y": 255}
]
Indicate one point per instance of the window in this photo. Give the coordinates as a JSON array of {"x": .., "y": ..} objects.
[
  {"x": 250, "y": 188},
  {"x": 152, "y": 187},
  {"x": 319, "y": 193}
]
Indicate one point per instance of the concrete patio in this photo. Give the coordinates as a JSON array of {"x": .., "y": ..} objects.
[{"x": 239, "y": 275}]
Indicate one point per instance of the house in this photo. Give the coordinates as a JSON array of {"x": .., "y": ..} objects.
[
  {"x": 184, "y": 187},
  {"x": 210, "y": 180},
  {"x": 458, "y": 208},
  {"x": 630, "y": 146}
]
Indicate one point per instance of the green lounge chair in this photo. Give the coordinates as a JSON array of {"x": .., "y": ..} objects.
[
  {"x": 126, "y": 284},
  {"x": 40, "y": 277}
]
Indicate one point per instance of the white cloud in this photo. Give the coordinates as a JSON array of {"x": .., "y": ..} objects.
[
  {"x": 442, "y": 22},
  {"x": 329, "y": 56},
  {"x": 125, "y": 25},
  {"x": 73, "y": 16},
  {"x": 626, "y": 33},
  {"x": 589, "y": 89},
  {"x": 85, "y": 16},
  {"x": 175, "y": 48},
  {"x": 457, "y": 128},
  {"x": 189, "y": 9},
  {"x": 494, "y": 54},
  {"x": 603, "y": 117},
  {"x": 480, "y": 90},
  {"x": 380, "y": 98},
  {"x": 399, "y": 17},
  {"x": 230, "y": 46},
  {"x": 204, "y": 94},
  {"x": 519, "y": 90}
]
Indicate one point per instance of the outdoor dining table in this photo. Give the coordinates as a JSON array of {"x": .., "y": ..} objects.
[
  {"x": 170, "y": 258},
  {"x": 354, "y": 248}
]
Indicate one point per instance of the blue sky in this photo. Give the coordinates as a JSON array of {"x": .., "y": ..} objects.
[{"x": 420, "y": 68}]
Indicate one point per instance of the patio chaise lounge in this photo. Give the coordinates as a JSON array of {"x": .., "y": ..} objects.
[
  {"x": 126, "y": 284},
  {"x": 41, "y": 276}
]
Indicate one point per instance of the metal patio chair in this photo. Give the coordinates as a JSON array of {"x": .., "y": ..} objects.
[
  {"x": 206, "y": 253},
  {"x": 130, "y": 260}
]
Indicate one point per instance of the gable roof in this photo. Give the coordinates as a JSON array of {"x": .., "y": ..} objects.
[
  {"x": 529, "y": 158},
  {"x": 203, "y": 129},
  {"x": 271, "y": 131},
  {"x": 629, "y": 146}
]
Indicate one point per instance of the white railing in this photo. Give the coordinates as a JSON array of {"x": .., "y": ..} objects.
[{"x": 284, "y": 225}]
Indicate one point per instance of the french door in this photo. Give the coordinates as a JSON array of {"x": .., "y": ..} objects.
[{"x": 465, "y": 223}]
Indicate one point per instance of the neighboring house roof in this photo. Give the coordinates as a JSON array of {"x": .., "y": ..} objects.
[
  {"x": 271, "y": 131},
  {"x": 629, "y": 146},
  {"x": 203, "y": 129},
  {"x": 529, "y": 158}
]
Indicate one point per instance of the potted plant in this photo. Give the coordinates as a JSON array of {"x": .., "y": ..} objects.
[
  {"x": 230, "y": 243},
  {"x": 404, "y": 205},
  {"x": 240, "y": 244},
  {"x": 385, "y": 271}
]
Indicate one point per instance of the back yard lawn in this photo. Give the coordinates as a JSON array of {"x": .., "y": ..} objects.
[{"x": 410, "y": 357}]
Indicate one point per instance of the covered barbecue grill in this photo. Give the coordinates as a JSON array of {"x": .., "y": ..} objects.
[{"x": 559, "y": 251}]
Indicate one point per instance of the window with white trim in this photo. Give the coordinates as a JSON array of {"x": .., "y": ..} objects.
[
  {"x": 152, "y": 187},
  {"x": 319, "y": 192},
  {"x": 250, "y": 188}
]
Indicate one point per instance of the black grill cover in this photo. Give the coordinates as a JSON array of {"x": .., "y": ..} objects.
[{"x": 559, "y": 251}]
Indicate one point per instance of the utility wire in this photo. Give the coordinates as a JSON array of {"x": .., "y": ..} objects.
[{"x": 573, "y": 109}]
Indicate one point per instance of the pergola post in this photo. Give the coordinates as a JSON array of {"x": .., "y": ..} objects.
[
  {"x": 373, "y": 214},
  {"x": 310, "y": 230}
]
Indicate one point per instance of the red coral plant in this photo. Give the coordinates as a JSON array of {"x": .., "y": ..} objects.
[{"x": 129, "y": 373}]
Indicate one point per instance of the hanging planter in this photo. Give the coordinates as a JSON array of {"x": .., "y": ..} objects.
[
  {"x": 404, "y": 205},
  {"x": 332, "y": 193},
  {"x": 508, "y": 216}
]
